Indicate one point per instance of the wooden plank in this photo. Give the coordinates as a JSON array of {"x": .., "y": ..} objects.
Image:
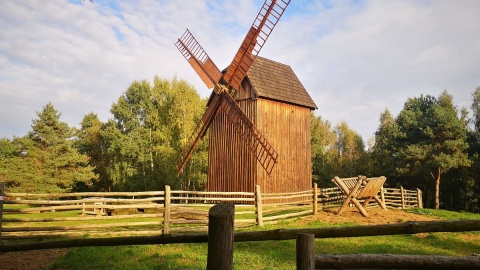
[
  {"x": 395, "y": 261},
  {"x": 166, "y": 211},
  {"x": 279, "y": 234},
  {"x": 84, "y": 194}
]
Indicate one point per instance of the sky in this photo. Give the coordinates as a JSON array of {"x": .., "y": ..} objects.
[{"x": 355, "y": 58}]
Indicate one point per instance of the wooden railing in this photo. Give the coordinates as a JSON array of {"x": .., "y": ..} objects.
[{"x": 163, "y": 212}]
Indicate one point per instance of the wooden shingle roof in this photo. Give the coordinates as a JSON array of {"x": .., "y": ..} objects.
[{"x": 273, "y": 80}]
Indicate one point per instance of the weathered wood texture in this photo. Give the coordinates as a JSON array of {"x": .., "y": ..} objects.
[
  {"x": 279, "y": 234},
  {"x": 390, "y": 261},
  {"x": 220, "y": 236},
  {"x": 233, "y": 167},
  {"x": 288, "y": 129},
  {"x": 176, "y": 211},
  {"x": 305, "y": 247}
]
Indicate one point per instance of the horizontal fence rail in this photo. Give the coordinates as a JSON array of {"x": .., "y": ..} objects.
[{"x": 116, "y": 214}]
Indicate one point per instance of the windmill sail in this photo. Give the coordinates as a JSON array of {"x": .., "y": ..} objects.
[
  {"x": 256, "y": 142},
  {"x": 198, "y": 59},
  {"x": 256, "y": 37},
  {"x": 199, "y": 132}
]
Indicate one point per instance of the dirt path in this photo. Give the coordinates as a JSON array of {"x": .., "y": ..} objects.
[
  {"x": 30, "y": 260},
  {"x": 43, "y": 259},
  {"x": 376, "y": 216}
]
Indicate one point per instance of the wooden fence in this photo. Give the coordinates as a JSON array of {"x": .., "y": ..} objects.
[
  {"x": 307, "y": 260},
  {"x": 116, "y": 214}
]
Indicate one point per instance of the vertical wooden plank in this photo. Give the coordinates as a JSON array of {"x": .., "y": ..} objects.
[
  {"x": 419, "y": 198},
  {"x": 258, "y": 205},
  {"x": 2, "y": 189},
  {"x": 305, "y": 247},
  {"x": 220, "y": 236},
  {"x": 166, "y": 211},
  {"x": 402, "y": 196},
  {"x": 315, "y": 199},
  {"x": 382, "y": 196}
]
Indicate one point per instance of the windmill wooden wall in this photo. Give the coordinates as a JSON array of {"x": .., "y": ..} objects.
[{"x": 233, "y": 167}]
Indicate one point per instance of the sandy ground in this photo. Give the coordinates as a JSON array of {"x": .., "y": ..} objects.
[{"x": 43, "y": 259}]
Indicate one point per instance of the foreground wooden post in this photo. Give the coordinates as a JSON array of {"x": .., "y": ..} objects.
[
  {"x": 166, "y": 210},
  {"x": 305, "y": 251},
  {"x": 220, "y": 236},
  {"x": 315, "y": 198},
  {"x": 2, "y": 186},
  {"x": 258, "y": 205},
  {"x": 419, "y": 198}
]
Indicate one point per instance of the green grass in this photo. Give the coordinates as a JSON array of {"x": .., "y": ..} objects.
[{"x": 275, "y": 254}]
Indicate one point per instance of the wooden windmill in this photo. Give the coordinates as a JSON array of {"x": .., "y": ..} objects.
[{"x": 248, "y": 120}]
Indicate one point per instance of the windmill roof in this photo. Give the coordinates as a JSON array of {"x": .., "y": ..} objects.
[{"x": 277, "y": 81}]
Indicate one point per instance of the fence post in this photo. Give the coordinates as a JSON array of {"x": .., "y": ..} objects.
[
  {"x": 166, "y": 210},
  {"x": 258, "y": 205},
  {"x": 220, "y": 236},
  {"x": 305, "y": 251},
  {"x": 382, "y": 196},
  {"x": 402, "y": 196},
  {"x": 419, "y": 198},
  {"x": 2, "y": 186},
  {"x": 315, "y": 198}
]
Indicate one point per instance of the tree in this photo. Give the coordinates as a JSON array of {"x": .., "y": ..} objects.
[
  {"x": 323, "y": 143},
  {"x": 351, "y": 158},
  {"x": 384, "y": 150},
  {"x": 91, "y": 142},
  {"x": 151, "y": 125},
  {"x": 45, "y": 160},
  {"x": 431, "y": 138}
]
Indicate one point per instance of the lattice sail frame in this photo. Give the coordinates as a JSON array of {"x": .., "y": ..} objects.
[{"x": 261, "y": 28}]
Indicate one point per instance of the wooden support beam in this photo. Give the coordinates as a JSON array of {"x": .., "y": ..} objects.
[
  {"x": 315, "y": 199},
  {"x": 220, "y": 236},
  {"x": 279, "y": 234},
  {"x": 390, "y": 261},
  {"x": 305, "y": 247},
  {"x": 258, "y": 205},
  {"x": 166, "y": 211}
]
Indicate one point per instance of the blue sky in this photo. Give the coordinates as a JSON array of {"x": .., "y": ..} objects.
[{"x": 355, "y": 58}]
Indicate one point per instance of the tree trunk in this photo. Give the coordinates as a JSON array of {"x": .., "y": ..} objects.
[{"x": 437, "y": 189}]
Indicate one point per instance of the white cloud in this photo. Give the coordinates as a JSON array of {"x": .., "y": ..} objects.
[{"x": 354, "y": 57}]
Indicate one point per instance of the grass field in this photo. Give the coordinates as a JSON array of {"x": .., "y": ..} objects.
[{"x": 277, "y": 254}]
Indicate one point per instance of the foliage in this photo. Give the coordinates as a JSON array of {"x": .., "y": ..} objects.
[
  {"x": 384, "y": 149},
  {"x": 428, "y": 141},
  {"x": 45, "y": 160},
  {"x": 323, "y": 142},
  {"x": 336, "y": 151},
  {"x": 351, "y": 158},
  {"x": 137, "y": 149},
  {"x": 431, "y": 138}
]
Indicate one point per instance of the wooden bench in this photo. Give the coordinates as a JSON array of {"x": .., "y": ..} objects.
[{"x": 360, "y": 188}]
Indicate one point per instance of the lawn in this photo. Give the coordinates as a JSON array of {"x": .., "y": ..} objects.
[{"x": 281, "y": 254}]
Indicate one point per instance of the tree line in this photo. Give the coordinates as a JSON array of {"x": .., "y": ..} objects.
[{"x": 431, "y": 144}]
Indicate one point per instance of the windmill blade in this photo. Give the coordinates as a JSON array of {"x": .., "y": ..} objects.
[
  {"x": 198, "y": 59},
  {"x": 199, "y": 132},
  {"x": 256, "y": 142},
  {"x": 258, "y": 34}
]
